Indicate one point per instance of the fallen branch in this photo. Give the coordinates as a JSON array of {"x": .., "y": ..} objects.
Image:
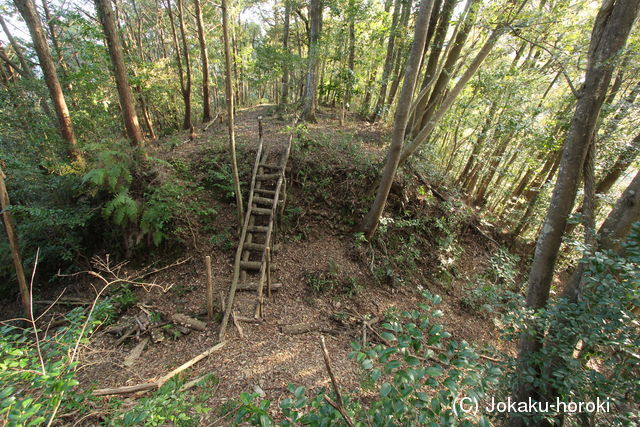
[
  {"x": 303, "y": 328},
  {"x": 237, "y": 324},
  {"x": 211, "y": 122},
  {"x": 135, "y": 353},
  {"x": 248, "y": 319},
  {"x": 160, "y": 382},
  {"x": 339, "y": 405},
  {"x": 63, "y": 302},
  {"x": 483, "y": 234},
  {"x": 193, "y": 382}
]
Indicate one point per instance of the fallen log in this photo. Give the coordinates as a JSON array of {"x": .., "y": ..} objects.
[
  {"x": 189, "y": 322},
  {"x": 152, "y": 385}
]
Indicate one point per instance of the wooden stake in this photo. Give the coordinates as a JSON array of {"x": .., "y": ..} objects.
[
  {"x": 15, "y": 248},
  {"x": 207, "y": 263},
  {"x": 268, "y": 260}
]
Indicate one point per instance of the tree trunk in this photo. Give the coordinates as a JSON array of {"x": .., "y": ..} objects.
[
  {"x": 400, "y": 55},
  {"x": 611, "y": 29},
  {"x": 424, "y": 114},
  {"x": 12, "y": 237},
  {"x": 186, "y": 92},
  {"x": 311, "y": 86},
  {"x": 612, "y": 232},
  {"x": 28, "y": 11},
  {"x": 452, "y": 95},
  {"x": 626, "y": 158},
  {"x": 230, "y": 109},
  {"x": 477, "y": 147},
  {"x": 55, "y": 41},
  {"x": 388, "y": 62},
  {"x": 25, "y": 71},
  {"x": 206, "y": 99},
  {"x": 431, "y": 72},
  {"x": 129, "y": 115},
  {"x": 370, "y": 222},
  {"x": 284, "y": 97}
]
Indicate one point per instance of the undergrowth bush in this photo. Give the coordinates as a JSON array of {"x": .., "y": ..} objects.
[
  {"x": 416, "y": 377},
  {"x": 52, "y": 214},
  {"x": 491, "y": 289},
  {"x": 592, "y": 350},
  {"x": 167, "y": 405},
  {"x": 137, "y": 204},
  {"x": 37, "y": 376}
]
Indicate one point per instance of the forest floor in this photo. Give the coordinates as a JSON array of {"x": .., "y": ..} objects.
[{"x": 316, "y": 240}]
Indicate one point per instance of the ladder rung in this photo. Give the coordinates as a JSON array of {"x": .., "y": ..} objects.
[
  {"x": 273, "y": 167},
  {"x": 254, "y": 286},
  {"x": 250, "y": 265},
  {"x": 266, "y": 176},
  {"x": 264, "y": 191},
  {"x": 258, "y": 228},
  {"x": 261, "y": 211},
  {"x": 254, "y": 246},
  {"x": 263, "y": 200}
]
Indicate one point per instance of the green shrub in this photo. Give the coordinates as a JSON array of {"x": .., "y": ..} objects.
[
  {"x": 593, "y": 344},
  {"x": 167, "y": 405},
  {"x": 37, "y": 378},
  {"x": 413, "y": 384},
  {"x": 51, "y": 214},
  {"x": 491, "y": 289}
]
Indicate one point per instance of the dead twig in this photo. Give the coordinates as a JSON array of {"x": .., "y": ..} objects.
[{"x": 175, "y": 264}]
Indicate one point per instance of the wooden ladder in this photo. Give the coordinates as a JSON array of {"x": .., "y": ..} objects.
[{"x": 252, "y": 258}]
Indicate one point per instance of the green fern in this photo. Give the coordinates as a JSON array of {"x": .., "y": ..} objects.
[{"x": 121, "y": 208}]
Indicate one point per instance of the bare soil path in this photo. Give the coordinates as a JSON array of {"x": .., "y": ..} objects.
[{"x": 266, "y": 357}]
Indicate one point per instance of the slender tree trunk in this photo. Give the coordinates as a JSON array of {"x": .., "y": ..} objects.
[
  {"x": 447, "y": 72},
  {"x": 611, "y": 29},
  {"x": 24, "y": 70},
  {"x": 370, "y": 222},
  {"x": 311, "y": 86},
  {"x": 388, "y": 62},
  {"x": 477, "y": 147},
  {"x": 531, "y": 195},
  {"x": 284, "y": 97},
  {"x": 352, "y": 52},
  {"x": 451, "y": 96},
  {"x": 54, "y": 40},
  {"x": 206, "y": 101},
  {"x": 624, "y": 160},
  {"x": 431, "y": 71},
  {"x": 494, "y": 162},
  {"x": 186, "y": 93},
  {"x": 129, "y": 115},
  {"x": 28, "y": 11},
  {"x": 12, "y": 237},
  {"x": 400, "y": 55},
  {"x": 230, "y": 109}
]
